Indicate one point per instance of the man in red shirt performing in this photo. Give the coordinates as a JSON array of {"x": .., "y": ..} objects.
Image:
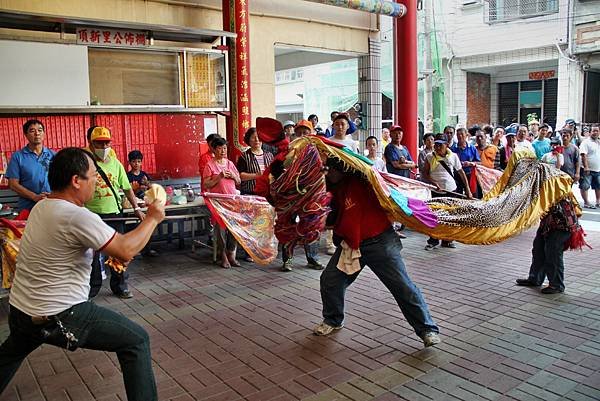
[{"x": 365, "y": 237}]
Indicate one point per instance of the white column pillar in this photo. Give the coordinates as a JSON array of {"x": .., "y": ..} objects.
[
  {"x": 570, "y": 91},
  {"x": 369, "y": 90},
  {"x": 459, "y": 92}
]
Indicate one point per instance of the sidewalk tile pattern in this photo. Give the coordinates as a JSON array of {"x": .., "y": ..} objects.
[{"x": 246, "y": 333}]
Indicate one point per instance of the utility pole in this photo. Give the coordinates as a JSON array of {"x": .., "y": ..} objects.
[{"x": 428, "y": 69}]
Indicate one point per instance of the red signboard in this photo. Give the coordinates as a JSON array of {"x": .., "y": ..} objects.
[{"x": 539, "y": 75}]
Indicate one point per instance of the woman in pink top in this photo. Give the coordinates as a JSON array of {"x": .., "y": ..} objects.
[{"x": 220, "y": 176}]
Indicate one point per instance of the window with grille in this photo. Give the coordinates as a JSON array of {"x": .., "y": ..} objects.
[{"x": 506, "y": 10}]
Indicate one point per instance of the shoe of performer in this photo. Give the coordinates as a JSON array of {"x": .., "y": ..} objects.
[
  {"x": 324, "y": 329},
  {"x": 315, "y": 265},
  {"x": 125, "y": 294},
  {"x": 430, "y": 247},
  {"x": 551, "y": 290},
  {"x": 331, "y": 250},
  {"x": 525, "y": 282},
  {"x": 287, "y": 265},
  {"x": 448, "y": 245},
  {"x": 430, "y": 339}
]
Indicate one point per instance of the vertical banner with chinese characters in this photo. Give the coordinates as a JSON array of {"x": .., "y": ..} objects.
[{"x": 235, "y": 19}]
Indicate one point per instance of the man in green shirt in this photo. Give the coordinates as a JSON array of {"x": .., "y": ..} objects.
[{"x": 107, "y": 204}]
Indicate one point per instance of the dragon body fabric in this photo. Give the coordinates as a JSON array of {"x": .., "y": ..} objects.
[
  {"x": 300, "y": 198},
  {"x": 522, "y": 195}
]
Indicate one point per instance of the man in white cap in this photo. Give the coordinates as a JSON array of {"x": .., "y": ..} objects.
[{"x": 288, "y": 128}]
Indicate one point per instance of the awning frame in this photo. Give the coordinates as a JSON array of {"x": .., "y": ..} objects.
[{"x": 59, "y": 24}]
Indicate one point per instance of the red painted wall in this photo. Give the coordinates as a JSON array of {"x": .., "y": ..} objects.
[{"x": 169, "y": 142}]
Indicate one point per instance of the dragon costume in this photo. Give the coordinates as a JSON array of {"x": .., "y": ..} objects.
[{"x": 522, "y": 195}]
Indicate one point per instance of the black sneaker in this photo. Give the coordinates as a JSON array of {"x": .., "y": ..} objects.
[
  {"x": 525, "y": 282},
  {"x": 551, "y": 290},
  {"x": 315, "y": 265}
]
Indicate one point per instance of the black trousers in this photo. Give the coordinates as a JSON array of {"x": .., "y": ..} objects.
[{"x": 118, "y": 281}]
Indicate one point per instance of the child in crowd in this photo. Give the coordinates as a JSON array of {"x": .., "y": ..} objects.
[
  {"x": 137, "y": 177},
  {"x": 372, "y": 147},
  {"x": 555, "y": 156},
  {"x": 140, "y": 182}
]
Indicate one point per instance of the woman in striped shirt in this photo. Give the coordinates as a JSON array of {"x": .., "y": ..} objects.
[{"x": 252, "y": 162}]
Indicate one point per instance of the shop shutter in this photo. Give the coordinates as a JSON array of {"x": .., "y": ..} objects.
[
  {"x": 508, "y": 102},
  {"x": 550, "y": 101}
]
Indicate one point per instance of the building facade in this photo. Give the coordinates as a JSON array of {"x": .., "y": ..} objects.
[
  {"x": 505, "y": 60},
  {"x": 585, "y": 46},
  {"x": 171, "y": 89}
]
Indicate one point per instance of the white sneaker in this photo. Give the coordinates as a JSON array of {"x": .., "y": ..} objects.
[
  {"x": 331, "y": 250},
  {"x": 324, "y": 329},
  {"x": 430, "y": 339}
]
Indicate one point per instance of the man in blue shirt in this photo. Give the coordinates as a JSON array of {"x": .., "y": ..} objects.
[
  {"x": 541, "y": 144},
  {"x": 27, "y": 171},
  {"x": 397, "y": 157},
  {"x": 467, "y": 154}
]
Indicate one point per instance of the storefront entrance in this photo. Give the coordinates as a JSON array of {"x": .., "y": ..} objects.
[{"x": 517, "y": 100}]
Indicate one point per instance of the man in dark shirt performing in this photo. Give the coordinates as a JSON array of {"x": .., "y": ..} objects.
[
  {"x": 559, "y": 230},
  {"x": 367, "y": 238}
]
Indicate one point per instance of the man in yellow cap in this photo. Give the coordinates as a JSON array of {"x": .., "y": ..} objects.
[{"x": 106, "y": 203}]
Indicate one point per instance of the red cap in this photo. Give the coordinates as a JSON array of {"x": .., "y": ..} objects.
[
  {"x": 395, "y": 127},
  {"x": 268, "y": 129}
]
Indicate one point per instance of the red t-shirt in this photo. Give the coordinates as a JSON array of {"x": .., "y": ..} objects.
[{"x": 360, "y": 216}]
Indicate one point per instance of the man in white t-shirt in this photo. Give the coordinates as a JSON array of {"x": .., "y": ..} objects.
[
  {"x": 341, "y": 124},
  {"x": 440, "y": 168},
  {"x": 590, "y": 162},
  {"x": 522, "y": 143},
  {"x": 49, "y": 298}
]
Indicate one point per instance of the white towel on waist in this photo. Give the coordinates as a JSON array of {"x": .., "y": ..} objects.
[{"x": 349, "y": 261}]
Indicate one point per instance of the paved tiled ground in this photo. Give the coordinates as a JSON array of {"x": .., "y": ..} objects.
[{"x": 245, "y": 333}]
